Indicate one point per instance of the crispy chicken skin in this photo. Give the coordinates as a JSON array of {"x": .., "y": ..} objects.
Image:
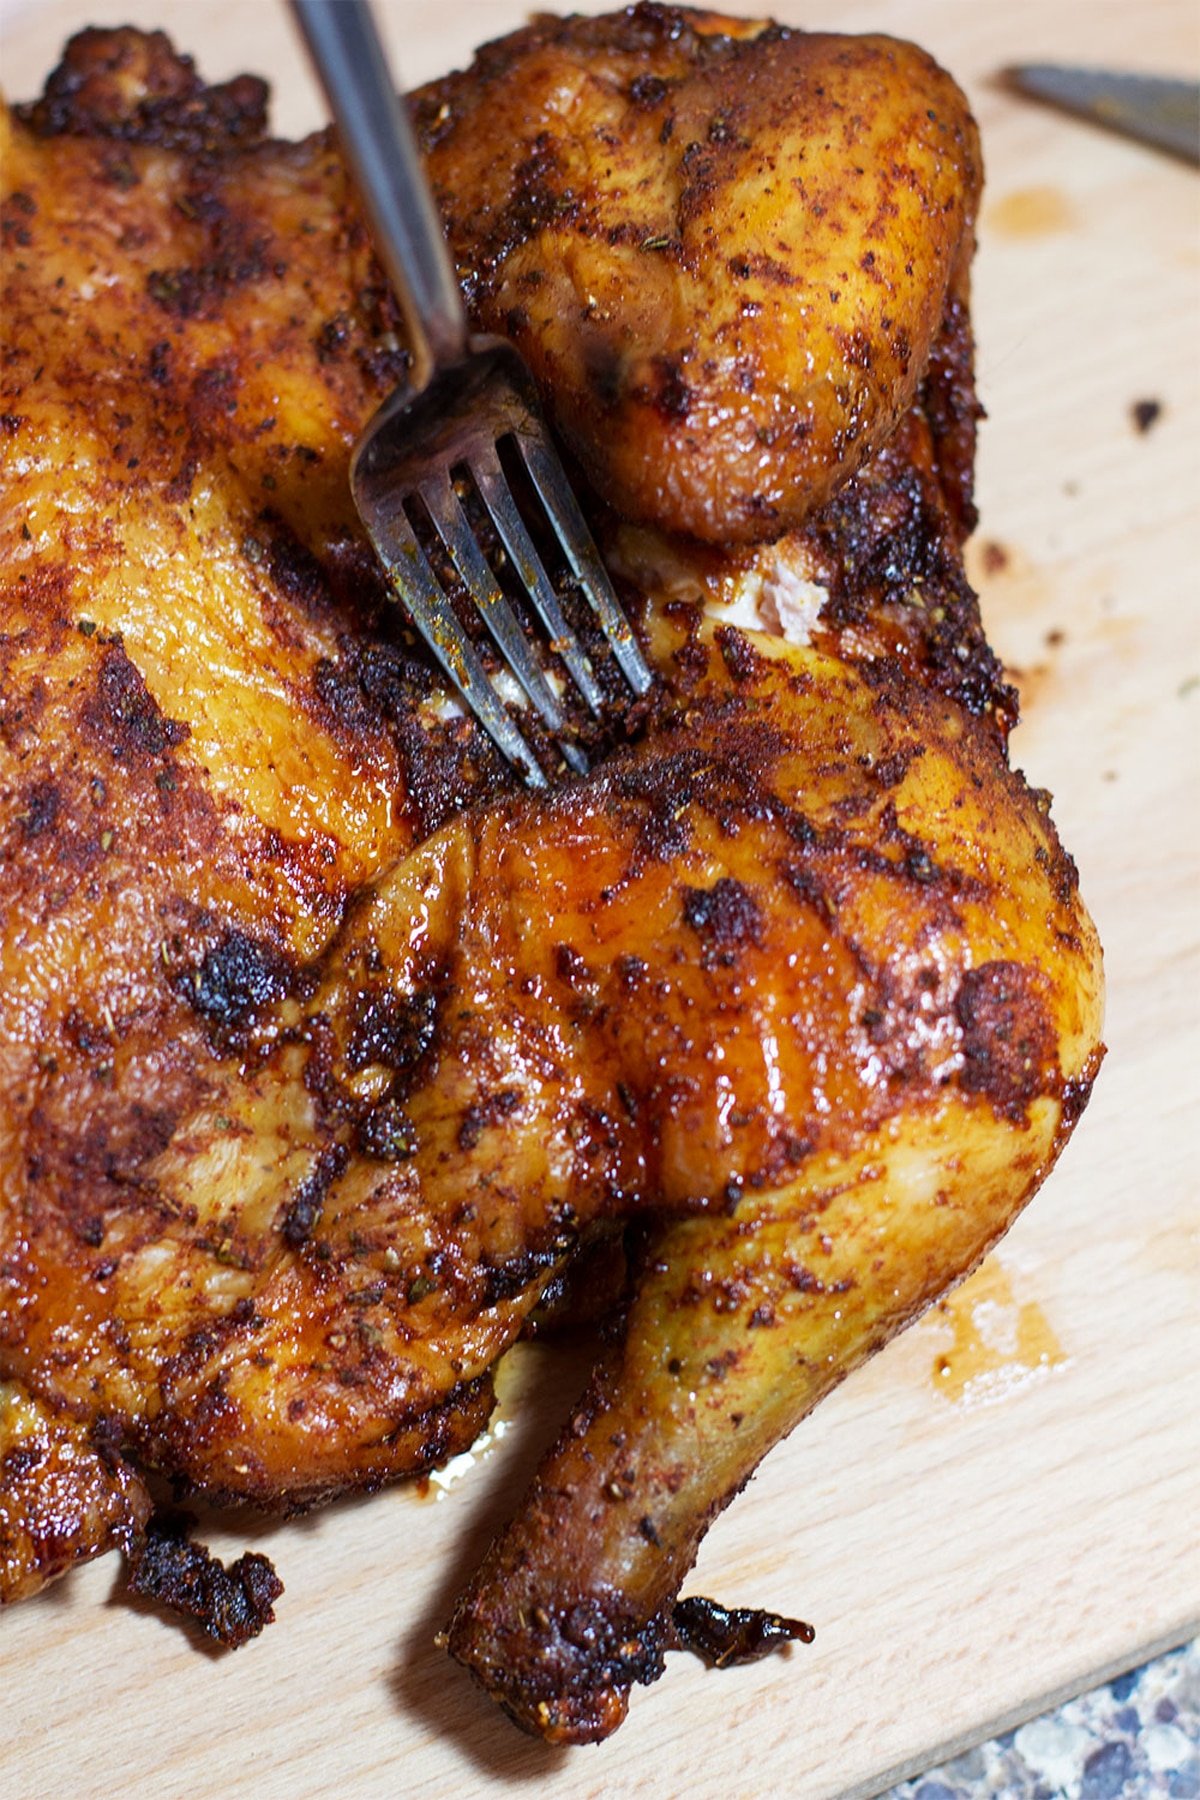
[
  {"x": 725, "y": 248},
  {"x": 325, "y": 1051},
  {"x": 64, "y": 1494}
]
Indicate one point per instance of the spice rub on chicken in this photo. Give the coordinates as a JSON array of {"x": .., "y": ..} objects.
[
  {"x": 325, "y": 1050},
  {"x": 725, "y": 248}
]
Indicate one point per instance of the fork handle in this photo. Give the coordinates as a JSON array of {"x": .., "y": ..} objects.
[{"x": 379, "y": 146}]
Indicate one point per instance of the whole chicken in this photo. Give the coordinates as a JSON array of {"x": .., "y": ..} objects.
[{"x": 329, "y": 1055}]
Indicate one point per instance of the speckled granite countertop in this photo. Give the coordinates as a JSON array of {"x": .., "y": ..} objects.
[{"x": 1139, "y": 1736}]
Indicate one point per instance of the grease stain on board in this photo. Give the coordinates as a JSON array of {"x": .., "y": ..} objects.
[
  {"x": 1031, "y": 682},
  {"x": 999, "y": 1343},
  {"x": 1031, "y": 212},
  {"x": 994, "y": 563}
]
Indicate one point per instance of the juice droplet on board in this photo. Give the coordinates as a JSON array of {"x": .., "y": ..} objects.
[{"x": 999, "y": 1343}]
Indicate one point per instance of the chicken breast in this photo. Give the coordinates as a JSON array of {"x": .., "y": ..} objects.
[{"x": 326, "y": 1052}]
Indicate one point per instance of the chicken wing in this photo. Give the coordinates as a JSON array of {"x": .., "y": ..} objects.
[
  {"x": 725, "y": 248},
  {"x": 326, "y": 1053}
]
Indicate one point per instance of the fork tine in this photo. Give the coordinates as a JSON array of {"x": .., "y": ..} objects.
[
  {"x": 431, "y": 612},
  {"x": 496, "y": 495},
  {"x": 563, "y": 508},
  {"x": 468, "y": 391},
  {"x": 437, "y": 491}
]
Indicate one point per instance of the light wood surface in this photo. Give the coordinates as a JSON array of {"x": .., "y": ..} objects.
[{"x": 1002, "y": 1507}]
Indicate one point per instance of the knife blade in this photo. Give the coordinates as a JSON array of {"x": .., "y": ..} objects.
[{"x": 1157, "y": 110}]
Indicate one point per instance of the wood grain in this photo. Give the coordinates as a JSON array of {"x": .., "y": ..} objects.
[{"x": 964, "y": 1560}]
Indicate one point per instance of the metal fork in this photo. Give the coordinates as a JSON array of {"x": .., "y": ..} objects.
[{"x": 472, "y": 394}]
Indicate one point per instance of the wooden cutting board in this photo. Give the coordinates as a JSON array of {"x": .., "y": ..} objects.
[{"x": 1001, "y": 1508}]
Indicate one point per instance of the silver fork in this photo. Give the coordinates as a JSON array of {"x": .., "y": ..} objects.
[{"x": 472, "y": 393}]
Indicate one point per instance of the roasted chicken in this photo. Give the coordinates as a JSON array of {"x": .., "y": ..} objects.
[{"x": 327, "y": 1053}]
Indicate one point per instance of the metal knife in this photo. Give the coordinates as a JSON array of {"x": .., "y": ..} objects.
[{"x": 1155, "y": 109}]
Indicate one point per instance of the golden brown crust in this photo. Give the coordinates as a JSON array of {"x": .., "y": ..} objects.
[
  {"x": 66, "y": 1494},
  {"x": 726, "y": 255},
  {"x": 132, "y": 86}
]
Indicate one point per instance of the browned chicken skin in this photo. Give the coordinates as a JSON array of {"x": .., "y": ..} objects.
[
  {"x": 725, "y": 248},
  {"x": 324, "y": 1051}
]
